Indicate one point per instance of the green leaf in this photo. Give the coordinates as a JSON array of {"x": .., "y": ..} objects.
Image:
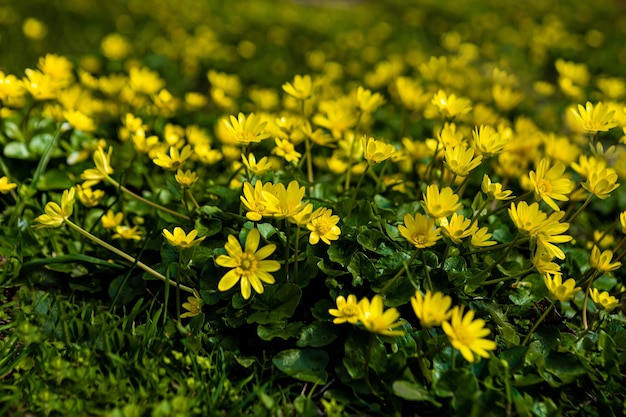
[
  {"x": 208, "y": 227},
  {"x": 54, "y": 179},
  {"x": 565, "y": 366},
  {"x": 341, "y": 252},
  {"x": 411, "y": 391},
  {"x": 455, "y": 263},
  {"x": 373, "y": 240},
  {"x": 303, "y": 364},
  {"x": 282, "y": 330},
  {"x": 17, "y": 150},
  {"x": 276, "y": 304},
  {"x": 361, "y": 268},
  {"x": 318, "y": 334},
  {"x": 355, "y": 352}
]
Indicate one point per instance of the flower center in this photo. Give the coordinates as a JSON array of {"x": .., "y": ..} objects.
[
  {"x": 544, "y": 187},
  {"x": 419, "y": 238},
  {"x": 464, "y": 336}
]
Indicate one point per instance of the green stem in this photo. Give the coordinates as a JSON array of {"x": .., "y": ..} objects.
[
  {"x": 126, "y": 256},
  {"x": 297, "y": 244},
  {"x": 587, "y": 201},
  {"x": 351, "y": 153},
  {"x": 45, "y": 159},
  {"x": 538, "y": 322},
  {"x": 496, "y": 247},
  {"x": 368, "y": 355},
  {"x": 356, "y": 190},
  {"x": 287, "y": 250},
  {"x": 193, "y": 199},
  {"x": 309, "y": 159},
  {"x": 178, "y": 276},
  {"x": 497, "y": 280},
  {"x": 146, "y": 201},
  {"x": 399, "y": 273},
  {"x": 501, "y": 259},
  {"x": 428, "y": 281}
]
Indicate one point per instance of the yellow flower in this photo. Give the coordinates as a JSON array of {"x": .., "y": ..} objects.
[
  {"x": 144, "y": 80},
  {"x": 505, "y": 97},
  {"x": 527, "y": 218},
  {"x": 346, "y": 311},
  {"x": 79, "y": 120},
  {"x": 419, "y": 230},
  {"x": 559, "y": 290},
  {"x": 531, "y": 221},
  {"x": 89, "y": 197},
  {"x": 603, "y": 300},
  {"x": 542, "y": 261},
  {"x": 193, "y": 306},
  {"x": 115, "y": 46},
  {"x": 259, "y": 168},
  {"x": 40, "y": 86},
  {"x": 127, "y": 232},
  {"x": 249, "y": 266},
  {"x": 182, "y": 240},
  {"x": 186, "y": 178},
  {"x": 103, "y": 168},
  {"x": 601, "y": 182},
  {"x": 377, "y": 151},
  {"x": 468, "y": 335},
  {"x": 111, "y": 219},
  {"x": 550, "y": 232},
  {"x": 549, "y": 183},
  {"x": 593, "y": 119},
  {"x": 368, "y": 102},
  {"x": 602, "y": 260},
  {"x": 489, "y": 142},
  {"x": 175, "y": 159},
  {"x": 480, "y": 238},
  {"x": 431, "y": 309},
  {"x": 34, "y": 29},
  {"x": 301, "y": 87},
  {"x": 287, "y": 150},
  {"x": 254, "y": 201},
  {"x": 323, "y": 225},
  {"x": 245, "y": 130},
  {"x": 458, "y": 228},
  {"x": 56, "y": 215},
  {"x": 440, "y": 204},
  {"x": 460, "y": 160},
  {"x": 375, "y": 320},
  {"x": 451, "y": 106},
  {"x": 283, "y": 202},
  {"x": 494, "y": 190},
  {"x": 6, "y": 186},
  {"x": 622, "y": 220}
]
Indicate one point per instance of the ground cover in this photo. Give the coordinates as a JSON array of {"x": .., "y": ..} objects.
[{"x": 312, "y": 208}]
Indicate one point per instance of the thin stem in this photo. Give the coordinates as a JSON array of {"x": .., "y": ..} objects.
[
  {"x": 356, "y": 190},
  {"x": 497, "y": 280},
  {"x": 428, "y": 281},
  {"x": 502, "y": 257},
  {"x": 178, "y": 276},
  {"x": 193, "y": 199},
  {"x": 399, "y": 273},
  {"x": 585, "y": 325},
  {"x": 368, "y": 355},
  {"x": 587, "y": 201},
  {"x": 146, "y": 201},
  {"x": 538, "y": 322},
  {"x": 126, "y": 256},
  {"x": 297, "y": 244},
  {"x": 309, "y": 159},
  {"x": 287, "y": 250},
  {"x": 351, "y": 154}
]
